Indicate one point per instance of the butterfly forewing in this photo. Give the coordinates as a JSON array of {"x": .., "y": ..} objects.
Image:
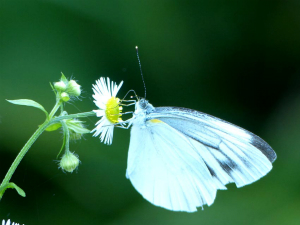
[
  {"x": 231, "y": 153},
  {"x": 191, "y": 121}
]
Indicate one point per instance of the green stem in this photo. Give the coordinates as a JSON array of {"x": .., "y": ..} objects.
[
  {"x": 22, "y": 153},
  {"x": 66, "y": 134},
  {"x": 55, "y": 108},
  {"x": 33, "y": 138},
  {"x": 72, "y": 116}
]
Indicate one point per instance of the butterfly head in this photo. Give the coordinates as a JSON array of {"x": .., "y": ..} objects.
[{"x": 144, "y": 106}]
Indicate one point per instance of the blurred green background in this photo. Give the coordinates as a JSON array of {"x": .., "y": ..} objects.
[{"x": 237, "y": 60}]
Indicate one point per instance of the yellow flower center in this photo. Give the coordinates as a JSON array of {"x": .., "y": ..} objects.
[{"x": 113, "y": 110}]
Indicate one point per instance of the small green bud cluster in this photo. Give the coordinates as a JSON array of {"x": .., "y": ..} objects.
[
  {"x": 67, "y": 88},
  {"x": 73, "y": 129}
]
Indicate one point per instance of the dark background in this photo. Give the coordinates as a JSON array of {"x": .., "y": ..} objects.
[{"x": 237, "y": 60}]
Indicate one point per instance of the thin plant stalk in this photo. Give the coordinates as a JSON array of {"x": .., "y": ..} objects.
[{"x": 34, "y": 137}]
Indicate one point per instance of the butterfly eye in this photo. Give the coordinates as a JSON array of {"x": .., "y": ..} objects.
[{"x": 143, "y": 103}]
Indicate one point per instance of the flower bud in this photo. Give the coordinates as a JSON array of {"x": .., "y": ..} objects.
[
  {"x": 73, "y": 88},
  {"x": 69, "y": 162},
  {"x": 60, "y": 86},
  {"x": 64, "y": 96}
]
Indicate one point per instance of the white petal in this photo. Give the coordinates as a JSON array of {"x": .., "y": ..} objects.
[
  {"x": 99, "y": 113},
  {"x": 117, "y": 88},
  {"x": 105, "y": 129}
]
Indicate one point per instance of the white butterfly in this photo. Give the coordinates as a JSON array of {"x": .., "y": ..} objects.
[{"x": 178, "y": 158}]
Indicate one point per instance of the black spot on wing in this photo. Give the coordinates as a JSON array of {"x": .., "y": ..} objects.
[
  {"x": 211, "y": 171},
  {"x": 228, "y": 166},
  {"x": 263, "y": 147}
]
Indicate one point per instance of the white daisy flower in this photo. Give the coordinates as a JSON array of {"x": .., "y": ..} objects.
[
  {"x": 109, "y": 108},
  {"x": 8, "y": 223}
]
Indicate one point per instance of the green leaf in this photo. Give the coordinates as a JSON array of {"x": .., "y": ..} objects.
[
  {"x": 53, "y": 89},
  {"x": 13, "y": 186},
  {"x": 28, "y": 102},
  {"x": 63, "y": 78},
  {"x": 53, "y": 127},
  {"x": 76, "y": 126},
  {"x": 18, "y": 189}
]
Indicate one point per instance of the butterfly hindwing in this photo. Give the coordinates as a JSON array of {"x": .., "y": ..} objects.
[{"x": 166, "y": 168}]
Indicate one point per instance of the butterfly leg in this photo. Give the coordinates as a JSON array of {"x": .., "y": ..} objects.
[
  {"x": 127, "y": 113},
  {"x": 124, "y": 124},
  {"x": 123, "y": 127},
  {"x": 130, "y": 102}
]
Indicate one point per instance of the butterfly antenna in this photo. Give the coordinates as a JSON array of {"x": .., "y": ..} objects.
[
  {"x": 137, "y": 54},
  {"x": 129, "y": 92}
]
